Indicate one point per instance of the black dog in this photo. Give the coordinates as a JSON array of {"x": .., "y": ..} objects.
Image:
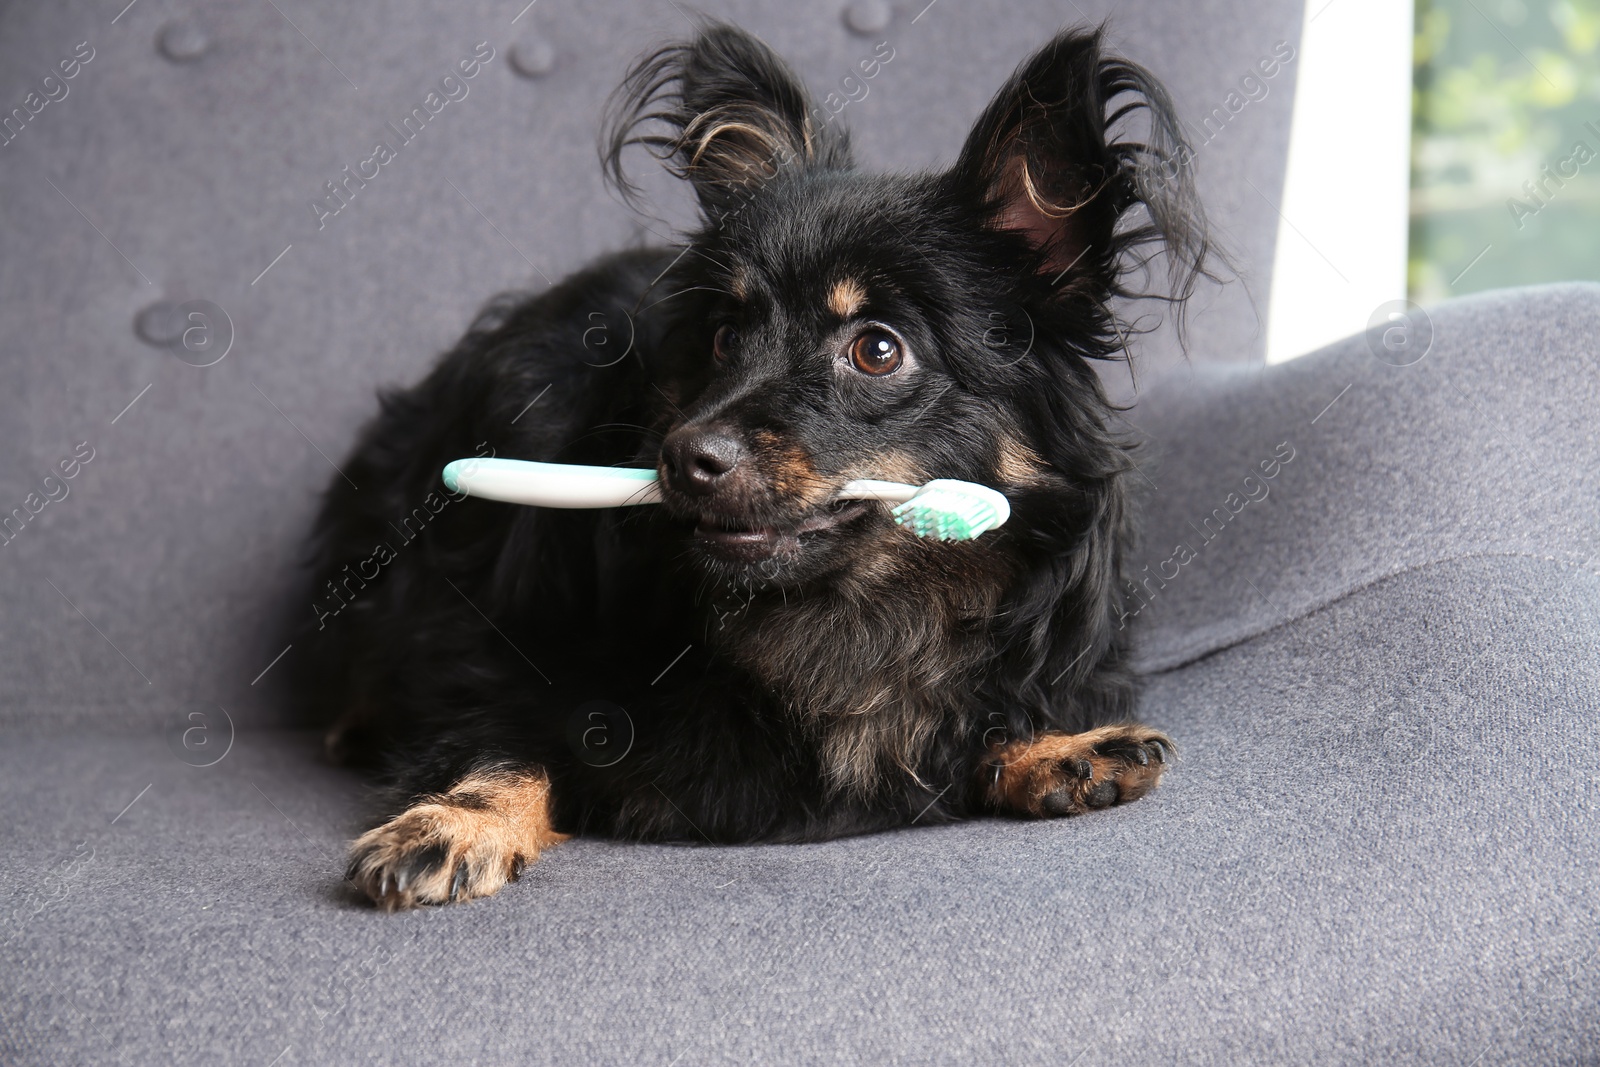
[{"x": 755, "y": 660}]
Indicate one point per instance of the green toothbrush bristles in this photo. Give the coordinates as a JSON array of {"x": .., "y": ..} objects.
[{"x": 950, "y": 510}]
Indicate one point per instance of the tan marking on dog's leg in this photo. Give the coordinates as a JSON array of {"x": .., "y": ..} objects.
[
  {"x": 1067, "y": 774},
  {"x": 457, "y": 845}
]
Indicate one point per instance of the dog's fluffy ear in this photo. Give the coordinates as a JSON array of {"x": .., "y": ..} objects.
[
  {"x": 1059, "y": 158},
  {"x": 721, "y": 110}
]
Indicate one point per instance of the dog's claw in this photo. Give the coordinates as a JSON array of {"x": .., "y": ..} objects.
[
  {"x": 1141, "y": 757},
  {"x": 1083, "y": 769},
  {"x": 456, "y": 846}
]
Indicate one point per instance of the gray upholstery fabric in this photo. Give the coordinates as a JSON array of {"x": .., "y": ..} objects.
[
  {"x": 1508, "y": 386},
  {"x": 179, "y": 538},
  {"x": 1347, "y": 865},
  {"x": 1378, "y": 845}
]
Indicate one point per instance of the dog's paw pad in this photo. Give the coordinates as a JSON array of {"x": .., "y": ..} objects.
[
  {"x": 1078, "y": 795},
  {"x": 1069, "y": 774}
]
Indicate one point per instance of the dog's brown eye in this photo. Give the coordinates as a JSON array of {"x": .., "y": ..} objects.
[
  {"x": 875, "y": 352},
  {"x": 725, "y": 340}
]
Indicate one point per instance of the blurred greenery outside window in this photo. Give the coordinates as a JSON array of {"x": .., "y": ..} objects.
[{"x": 1505, "y": 151}]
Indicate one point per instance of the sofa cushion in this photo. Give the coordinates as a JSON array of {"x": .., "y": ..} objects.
[
  {"x": 1483, "y": 447},
  {"x": 1378, "y": 845}
]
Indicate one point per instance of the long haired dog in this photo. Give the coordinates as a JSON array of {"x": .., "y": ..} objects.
[{"x": 756, "y": 660}]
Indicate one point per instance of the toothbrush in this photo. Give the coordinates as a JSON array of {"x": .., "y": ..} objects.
[{"x": 945, "y": 509}]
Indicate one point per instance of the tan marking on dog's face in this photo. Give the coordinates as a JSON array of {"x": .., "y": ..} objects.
[
  {"x": 889, "y": 467},
  {"x": 847, "y": 297},
  {"x": 739, "y": 285},
  {"x": 1045, "y": 776},
  {"x": 1016, "y": 462},
  {"x": 790, "y": 469},
  {"x": 882, "y": 561},
  {"x": 458, "y": 845}
]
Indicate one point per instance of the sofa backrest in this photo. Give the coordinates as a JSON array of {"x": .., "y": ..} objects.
[{"x": 166, "y": 174}]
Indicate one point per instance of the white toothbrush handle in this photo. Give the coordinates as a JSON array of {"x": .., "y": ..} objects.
[
  {"x": 552, "y": 485},
  {"x": 871, "y": 489},
  {"x": 562, "y": 485}
]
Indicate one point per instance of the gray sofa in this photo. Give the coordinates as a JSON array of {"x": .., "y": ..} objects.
[{"x": 1382, "y": 662}]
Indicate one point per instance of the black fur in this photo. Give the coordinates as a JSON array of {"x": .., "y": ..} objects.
[{"x": 857, "y": 678}]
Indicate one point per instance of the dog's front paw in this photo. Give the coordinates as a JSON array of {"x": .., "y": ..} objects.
[
  {"x": 464, "y": 844},
  {"x": 431, "y": 854},
  {"x": 1068, "y": 774}
]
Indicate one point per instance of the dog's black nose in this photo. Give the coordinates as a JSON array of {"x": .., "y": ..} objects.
[{"x": 696, "y": 459}]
